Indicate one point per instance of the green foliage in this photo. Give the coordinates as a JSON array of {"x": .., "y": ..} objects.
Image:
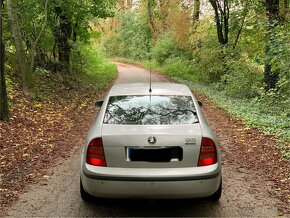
[
  {"x": 8, "y": 79},
  {"x": 8, "y": 84},
  {"x": 249, "y": 110},
  {"x": 279, "y": 55},
  {"x": 75, "y": 15},
  {"x": 207, "y": 54},
  {"x": 132, "y": 39},
  {"x": 165, "y": 48},
  {"x": 95, "y": 67},
  {"x": 80, "y": 13},
  {"x": 243, "y": 79},
  {"x": 209, "y": 65},
  {"x": 285, "y": 150},
  {"x": 178, "y": 67}
]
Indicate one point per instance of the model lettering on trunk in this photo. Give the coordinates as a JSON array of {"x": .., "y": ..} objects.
[{"x": 190, "y": 141}]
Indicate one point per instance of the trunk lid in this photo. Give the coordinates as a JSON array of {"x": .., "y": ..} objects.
[{"x": 155, "y": 146}]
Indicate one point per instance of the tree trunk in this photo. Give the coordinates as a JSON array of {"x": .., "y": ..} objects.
[
  {"x": 222, "y": 14},
  {"x": 196, "y": 13},
  {"x": 4, "y": 112},
  {"x": 272, "y": 11},
  {"x": 150, "y": 4},
  {"x": 63, "y": 34},
  {"x": 18, "y": 42},
  {"x": 222, "y": 20}
]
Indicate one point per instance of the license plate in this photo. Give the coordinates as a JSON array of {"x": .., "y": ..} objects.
[{"x": 155, "y": 154}]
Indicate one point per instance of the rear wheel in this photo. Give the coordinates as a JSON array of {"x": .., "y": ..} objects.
[
  {"x": 217, "y": 195},
  {"x": 84, "y": 195}
]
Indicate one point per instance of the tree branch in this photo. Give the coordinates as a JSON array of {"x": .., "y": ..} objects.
[
  {"x": 245, "y": 13},
  {"x": 38, "y": 37}
]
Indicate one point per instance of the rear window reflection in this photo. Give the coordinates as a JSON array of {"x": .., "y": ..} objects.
[{"x": 150, "y": 110}]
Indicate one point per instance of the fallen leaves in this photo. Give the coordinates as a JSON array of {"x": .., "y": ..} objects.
[
  {"x": 248, "y": 148},
  {"x": 39, "y": 134}
]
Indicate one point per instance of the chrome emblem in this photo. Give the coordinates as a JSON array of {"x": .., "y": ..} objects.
[{"x": 152, "y": 140}]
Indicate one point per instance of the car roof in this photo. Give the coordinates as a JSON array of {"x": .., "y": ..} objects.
[{"x": 143, "y": 89}]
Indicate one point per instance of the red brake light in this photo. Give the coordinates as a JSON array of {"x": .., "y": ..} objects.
[
  {"x": 208, "y": 153},
  {"x": 95, "y": 153}
]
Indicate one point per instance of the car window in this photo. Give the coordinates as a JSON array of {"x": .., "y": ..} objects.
[{"x": 150, "y": 110}]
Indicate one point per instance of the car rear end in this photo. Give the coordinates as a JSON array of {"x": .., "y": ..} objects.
[{"x": 157, "y": 157}]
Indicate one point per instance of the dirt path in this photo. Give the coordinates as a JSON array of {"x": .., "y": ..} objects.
[{"x": 245, "y": 192}]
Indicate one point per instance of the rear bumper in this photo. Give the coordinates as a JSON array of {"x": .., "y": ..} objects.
[{"x": 172, "y": 183}]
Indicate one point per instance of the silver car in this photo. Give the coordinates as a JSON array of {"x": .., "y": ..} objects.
[{"x": 150, "y": 143}]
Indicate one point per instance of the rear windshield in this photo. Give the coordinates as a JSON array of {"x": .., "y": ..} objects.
[{"x": 150, "y": 110}]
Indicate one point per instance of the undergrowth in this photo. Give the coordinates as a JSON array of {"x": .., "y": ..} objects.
[
  {"x": 96, "y": 68},
  {"x": 90, "y": 74},
  {"x": 253, "y": 113}
]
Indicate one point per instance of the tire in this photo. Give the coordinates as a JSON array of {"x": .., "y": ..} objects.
[
  {"x": 84, "y": 195},
  {"x": 217, "y": 195}
]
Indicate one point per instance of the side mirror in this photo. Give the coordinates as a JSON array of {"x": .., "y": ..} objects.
[
  {"x": 99, "y": 104},
  {"x": 199, "y": 103}
]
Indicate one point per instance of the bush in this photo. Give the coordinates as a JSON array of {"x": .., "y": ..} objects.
[
  {"x": 279, "y": 56},
  {"x": 208, "y": 64},
  {"x": 178, "y": 67},
  {"x": 207, "y": 53},
  {"x": 165, "y": 48},
  {"x": 250, "y": 111},
  {"x": 95, "y": 67},
  {"x": 243, "y": 79}
]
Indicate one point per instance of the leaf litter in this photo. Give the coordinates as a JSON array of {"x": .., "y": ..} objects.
[{"x": 42, "y": 130}]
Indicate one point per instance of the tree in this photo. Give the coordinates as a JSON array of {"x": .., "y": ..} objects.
[
  {"x": 71, "y": 23},
  {"x": 19, "y": 47},
  {"x": 4, "y": 112},
  {"x": 33, "y": 49},
  {"x": 285, "y": 9},
  {"x": 272, "y": 12},
  {"x": 244, "y": 15},
  {"x": 196, "y": 13},
  {"x": 222, "y": 12},
  {"x": 63, "y": 34},
  {"x": 150, "y": 15},
  {"x": 164, "y": 12}
]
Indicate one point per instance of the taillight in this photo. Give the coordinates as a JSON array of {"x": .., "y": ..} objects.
[
  {"x": 95, "y": 153},
  {"x": 208, "y": 153}
]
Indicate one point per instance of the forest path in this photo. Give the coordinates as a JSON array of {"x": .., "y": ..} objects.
[{"x": 244, "y": 191}]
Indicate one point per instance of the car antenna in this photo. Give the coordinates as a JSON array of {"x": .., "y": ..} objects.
[
  {"x": 150, "y": 89},
  {"x": 150, "y": 69}
]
